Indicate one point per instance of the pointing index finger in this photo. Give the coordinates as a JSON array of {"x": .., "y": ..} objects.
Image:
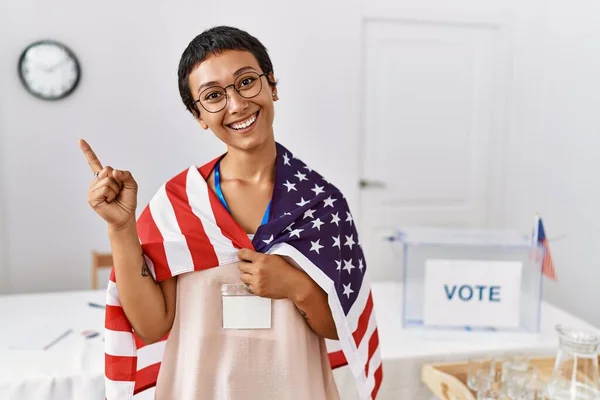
[{"x": 90, "y": 156}]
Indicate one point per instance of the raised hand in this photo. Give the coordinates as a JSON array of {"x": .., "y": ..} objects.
[{"x": 112, "y": 193}]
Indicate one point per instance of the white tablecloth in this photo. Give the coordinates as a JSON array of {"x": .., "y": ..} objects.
[
  {"x": 70, "y": 369},
  {"x": 73, "y": 368}
]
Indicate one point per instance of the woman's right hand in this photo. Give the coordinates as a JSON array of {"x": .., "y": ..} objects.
[{"x": 112, "y": 193}]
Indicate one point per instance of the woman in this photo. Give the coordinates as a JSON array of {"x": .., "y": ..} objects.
[{"x": 255, "y": 327}]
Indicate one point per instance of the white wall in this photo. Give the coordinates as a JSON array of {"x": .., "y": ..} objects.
[
  {"x": 554, "y": 145},
  {"x": 4, "y": 271},
  {"x": 128, "y": 108}
]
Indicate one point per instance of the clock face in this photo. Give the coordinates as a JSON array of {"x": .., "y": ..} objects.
[{"x": 49, "y": 70}]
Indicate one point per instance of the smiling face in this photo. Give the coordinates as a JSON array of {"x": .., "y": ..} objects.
[{"x": 244, "y": 123}]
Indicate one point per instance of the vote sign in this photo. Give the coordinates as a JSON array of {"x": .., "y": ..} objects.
[{"x": 474, "y": 293}]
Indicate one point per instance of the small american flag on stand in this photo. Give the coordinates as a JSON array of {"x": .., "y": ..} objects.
[{"x": 540, "y": 238}]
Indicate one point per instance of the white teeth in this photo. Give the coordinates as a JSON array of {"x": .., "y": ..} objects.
[{"x": 244, "y": 124}]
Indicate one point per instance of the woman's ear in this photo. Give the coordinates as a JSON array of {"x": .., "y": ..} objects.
[
  {"x": 201, "y": 121},
  {"x": 202, "y": 124},
  {"x": 273, "y": 85}
]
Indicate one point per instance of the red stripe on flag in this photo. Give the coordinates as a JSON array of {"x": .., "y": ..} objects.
[
  {"x": 378, "y": 379},
  {"x": 152, "y": 244},
  {"x": 547, "y": 264},
  {"x": 337, "y": 359},
  {"x": 116, "y": 320},
  {"x": 146, "y": 378},
  {"x": 120, "y": 368},
  {"x": 139, "y": 343},
  {"x": 202, "y": 251},
  {"x": 207, "y": 168},
  {"x": 363, "y": 321},
  {"x": 373, "y": 344}
]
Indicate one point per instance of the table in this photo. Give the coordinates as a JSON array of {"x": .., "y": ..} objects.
[{"x": 73, "y": 368}]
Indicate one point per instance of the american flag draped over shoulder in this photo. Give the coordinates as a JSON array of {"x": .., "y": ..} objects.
[{"x": 185, "y": 228}]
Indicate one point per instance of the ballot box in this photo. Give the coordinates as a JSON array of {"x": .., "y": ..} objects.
[{"x": 466, "y": 279}]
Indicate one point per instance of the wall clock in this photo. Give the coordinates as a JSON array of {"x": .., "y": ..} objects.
[{"x": 49, "y": 70}]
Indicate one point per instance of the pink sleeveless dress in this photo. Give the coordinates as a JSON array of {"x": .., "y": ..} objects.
[{"x": 203, "y": 361}]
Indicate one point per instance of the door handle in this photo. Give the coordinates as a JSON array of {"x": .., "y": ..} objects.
[{"x": 365, "y": 183}]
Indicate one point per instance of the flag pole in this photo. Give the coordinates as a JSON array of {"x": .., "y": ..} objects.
[{"x": 536, "y": 230}]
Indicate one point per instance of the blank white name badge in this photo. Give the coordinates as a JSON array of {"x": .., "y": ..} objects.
[{"x": 243, "y": 310}]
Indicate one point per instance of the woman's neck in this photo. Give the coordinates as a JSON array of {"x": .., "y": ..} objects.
[{"x": 254, "y": 166}]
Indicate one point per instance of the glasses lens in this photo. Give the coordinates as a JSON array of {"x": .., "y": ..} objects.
[
  {"x": 248, "y": 85},
  {"x": 213, "y": 99}
]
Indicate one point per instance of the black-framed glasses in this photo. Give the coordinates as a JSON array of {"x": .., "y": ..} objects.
[{"x": 214, "y": 99}]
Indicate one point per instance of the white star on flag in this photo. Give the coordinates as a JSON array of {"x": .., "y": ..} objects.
[
  {"x": 296, "y": 232},
  {"x": 339, "y": 265},
  {"x": 348, "y": 266},
  {"x": 349, "y": 241},
  {"x": 286, "y": 159},
  {"x": 335, "y": 219},
  {"x": 315, "y": 246},
  {"x": 329, "y": 201},
  {"x": 309, "y": 170},
  {"x": 317, "y": 223},
  {"x": 348, "y": 217},
  {"x": 309, "y": 213},
  {"x": 360, "y": 264},
  {"x": 317, "y": 189},
  {"x": 301, "y": 177},
  {"x": 269, "y": 240},
  {"x": 336, "y": 242},
  {"x": 302, "y": 202},
  {"x": 289, "y": 228},
  {"x": 347, "y": 290},
  {"x": 290, "y": 186}
]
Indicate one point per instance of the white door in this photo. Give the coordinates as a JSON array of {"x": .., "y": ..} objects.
[{"x": 432, "y": 130}]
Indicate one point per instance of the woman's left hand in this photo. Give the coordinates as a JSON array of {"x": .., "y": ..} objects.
[
  {"x": 268, "y": 275},
  {"x": 271, "y": 276}
]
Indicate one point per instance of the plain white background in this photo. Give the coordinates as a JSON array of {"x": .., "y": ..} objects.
[{"x": 128, "y": 108}]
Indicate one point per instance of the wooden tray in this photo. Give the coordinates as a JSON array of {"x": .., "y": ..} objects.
[{"x": 448, "y": 381}]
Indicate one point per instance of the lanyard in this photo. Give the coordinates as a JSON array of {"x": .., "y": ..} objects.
[{"x": 222, "y": 198}]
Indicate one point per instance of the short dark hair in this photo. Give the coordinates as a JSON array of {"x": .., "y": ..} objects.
[{"x": 214, "y": 41}]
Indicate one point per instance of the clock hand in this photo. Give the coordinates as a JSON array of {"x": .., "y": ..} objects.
[
  {"x": 38, "y": 65},
  {"x": 58, "y": 64}
]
